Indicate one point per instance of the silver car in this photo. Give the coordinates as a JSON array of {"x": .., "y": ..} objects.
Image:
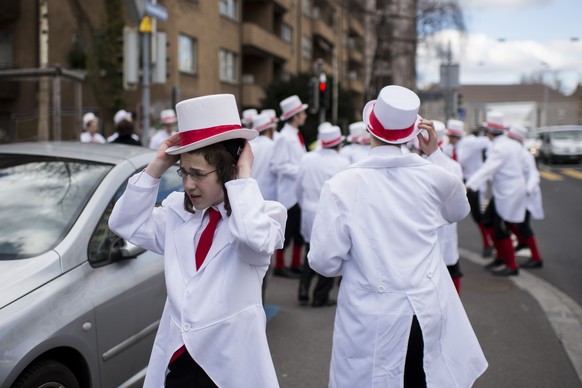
[{"x": 79, "y": 307}]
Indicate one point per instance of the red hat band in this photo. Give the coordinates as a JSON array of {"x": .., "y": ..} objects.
[
  {"x": 193, "y": 136},
  {"x": 331, "y": 143},
  {"x": 376, "y": 127}
]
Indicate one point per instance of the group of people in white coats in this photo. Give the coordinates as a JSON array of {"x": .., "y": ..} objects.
[
  {"x": 375, "y": 222},
  {"x": 515, "y": 194}
]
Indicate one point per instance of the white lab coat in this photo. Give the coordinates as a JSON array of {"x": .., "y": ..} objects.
[
  {"x": 534, "y": 193},
  {"x": 157, "y": 140},
  {"x": 504, "y": 166},
  {"x": 470, "y": 150},
  {"x": 377, "y": 226},
  {"x": 216, "y": 311},
  {"x": 263, "y": 147},
  {"x": 355, "y": 152},
  {"x": 287, "y": 155},
  {"x": 316, "y": 167}
]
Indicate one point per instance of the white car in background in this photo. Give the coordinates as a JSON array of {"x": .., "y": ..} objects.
[
  {"x": 79, "y": 307},
  {"x": 561, "y": 143}
]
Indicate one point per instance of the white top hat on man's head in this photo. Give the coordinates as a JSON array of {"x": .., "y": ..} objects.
[
  {"x": 262, "y": 122},
  {"x": 356, "y": 129},
  {"x": 168, "y": 116},
  {"x": 291, "y": 106},
  {"x": 247, "y": 116},
  {"x": 455, "y": 128},
  {"x": 494, "y": 122},
  {"x": 517, "y": 132},
  {"x": 271, "y": 113},
  {"x": 329, "y": 135},
  {"x": 87, "y": 118},
  {"x": 207, "y": 120},
  {"x": 393, "y": 117},
  {"x": 121, "y": 115}
]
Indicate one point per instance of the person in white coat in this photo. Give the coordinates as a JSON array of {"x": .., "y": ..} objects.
[
  {"x": 263, "y": 146},
  {"x": 355, "y": 129},
  {"x": 212, "y": 330},
  {"x": 534, "y": 207},
  {"x": 504, "y": 167},
  {"x": 168, "y": 121},
  {"x": 399, "y": 321},
  {"x": 289, "y": 149},
  {"x": 315, "y": 169},
  {"x": 90, "y": 132}
]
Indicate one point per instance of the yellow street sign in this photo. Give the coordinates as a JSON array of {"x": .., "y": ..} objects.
[{"x": 145, "y": 25}]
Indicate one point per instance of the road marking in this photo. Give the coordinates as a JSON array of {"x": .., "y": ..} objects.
[
  {"x": 551, "y": 176},
  {"x": 572, "y": 173},
  {"x": 563, "y": 313}
]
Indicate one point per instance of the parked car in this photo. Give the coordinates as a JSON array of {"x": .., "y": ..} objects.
[
  {"x": 560, "y": 143},
  {"x": 79, "y": 306}
]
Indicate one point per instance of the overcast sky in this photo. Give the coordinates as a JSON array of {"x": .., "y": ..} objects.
[{"x": 507, "y": 39}]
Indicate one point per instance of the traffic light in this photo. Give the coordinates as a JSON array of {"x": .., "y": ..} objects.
[
  {"x": 323, "y": 91},
  {"x": 313, "y": 95}
]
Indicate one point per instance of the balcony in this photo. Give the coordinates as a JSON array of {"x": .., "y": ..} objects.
[
  {"x": 356, "y": 86},
  {"x": 285, "y": 4},
  {"x": 252, "y": 94},
  {"x": 357, "y": 27},
  {"x": 264, "y": 41},
  {"x": 324, "y": 31},
  {"x": 356, "y": 56}
]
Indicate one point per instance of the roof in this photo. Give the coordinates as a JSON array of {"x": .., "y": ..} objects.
[{"x": 508, "y": 93}]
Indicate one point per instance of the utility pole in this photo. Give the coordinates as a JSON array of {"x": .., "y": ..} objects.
[
  {"x": 145, "y": 28},
  {"x": 43, "y": 95}
]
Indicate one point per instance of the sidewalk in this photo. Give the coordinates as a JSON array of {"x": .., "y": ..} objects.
[{"x": 520, "y": 337}]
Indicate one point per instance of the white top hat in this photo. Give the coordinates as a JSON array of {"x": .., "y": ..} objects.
[
  {"x": 291, "y": 106},
  {"x": 329, "y": 135},
  {"x": 121, "y": 115},
  {"x": 207, "y": 120},
  {"x": 455, "y": 128},
  {"x": 393, "y": 118},
  {"x": 262, "y": 122},
  {"x": 517, "y": 132},
  {"x": 168, "y": 116},
  {"x": 247, "y": 116},
  {"x": 494, "y": 122},
  {"x": 87, "y": 118},
  {"x": 271, "y": 113},
  {"x": 356, "y": 129}
]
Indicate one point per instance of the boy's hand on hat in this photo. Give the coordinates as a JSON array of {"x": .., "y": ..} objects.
[
  {"x": 163, "y": 161},
  {"x": 245, "y": 162},
  {"x": 430, "y": 144}
]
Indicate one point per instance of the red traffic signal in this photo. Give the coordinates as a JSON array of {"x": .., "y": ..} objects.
[{"x": 322, "y": 86}]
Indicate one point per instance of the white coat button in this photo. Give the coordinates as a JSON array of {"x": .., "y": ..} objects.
[
  {"x": 381, "y": 289},
  {"x": 186, "y": 327}
]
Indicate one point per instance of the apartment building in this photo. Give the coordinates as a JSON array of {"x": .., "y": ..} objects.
[{"x": 224, "y": 46}]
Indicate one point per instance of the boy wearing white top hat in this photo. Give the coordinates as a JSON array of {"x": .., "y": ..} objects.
[
  {"x": 90, "y": 127},
  {"x": 504, "y": 168},
  {"x": 263, "y": 146},
  {"x": 358, "y": 142},
  {"x": 534, "y": 207},
  {"x": 289, "y": 149},
  {"x": 317, "y": 167},
  {"x": 217, "y": 238},
  {"x": 120, "y": 116},
  {"x": 399, "y": 321},
  {"x": 247, "y": 117},
  {"x": 168, "y": 121}
]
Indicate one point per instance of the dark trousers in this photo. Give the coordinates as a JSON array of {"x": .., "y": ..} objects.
[
  {"x": 475, "y": 204},
  {"x": 293, "y": 227},
  {"x": 322, "y": 288},
  {"x": 492, "y": 218},
  {"x": 524, "y": 228},
  {"x": 414, "y": 376},
  {"x": 186, "y": 373}
]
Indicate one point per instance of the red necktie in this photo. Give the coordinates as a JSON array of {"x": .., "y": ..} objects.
[
  {"x": 201, "y": 251},
  {"x": 206, "y": 237},
  {"x": 300, "y": 136},
  {"x": 454, "y": 153}
]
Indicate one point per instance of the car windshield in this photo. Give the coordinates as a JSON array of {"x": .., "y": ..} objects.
[
  {"x": 40, "y": 199},
  {"x": 567, "y": 135}
]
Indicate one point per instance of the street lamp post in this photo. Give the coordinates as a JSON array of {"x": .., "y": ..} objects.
[{"x": 544, "y": 122}]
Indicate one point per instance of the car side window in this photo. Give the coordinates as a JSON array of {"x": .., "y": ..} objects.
[{"x": 104, "y": 244}]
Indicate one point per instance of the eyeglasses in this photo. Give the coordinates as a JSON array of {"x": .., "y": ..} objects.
[{"x": 196, "y": 176}]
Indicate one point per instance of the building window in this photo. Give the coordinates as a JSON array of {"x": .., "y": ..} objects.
[
  {"x": 6, "y": 50},
  {"x": 228, "y": 66},
  {"x": 306, "y": 7},
  {"x": 188, "y": 52},
  {"x": 228, "y": 8},
  {"x": 306, "y": 45},
  {"x": 286, "y": 32}
]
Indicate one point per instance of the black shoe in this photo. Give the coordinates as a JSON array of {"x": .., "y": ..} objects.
[
  {"x": 494, "y": 264},
  {"x": 327, "y": 303},
  {"x": 487, "y": 252},
  {"x": 303, "y": 295},
  {"x": 519, "y": 247},
  {"x": 531, "y": 263},
  {"x": 296, "y": 270},
  {"x": 506, "y": 272},
  {"x": 285, "y": 273}
]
